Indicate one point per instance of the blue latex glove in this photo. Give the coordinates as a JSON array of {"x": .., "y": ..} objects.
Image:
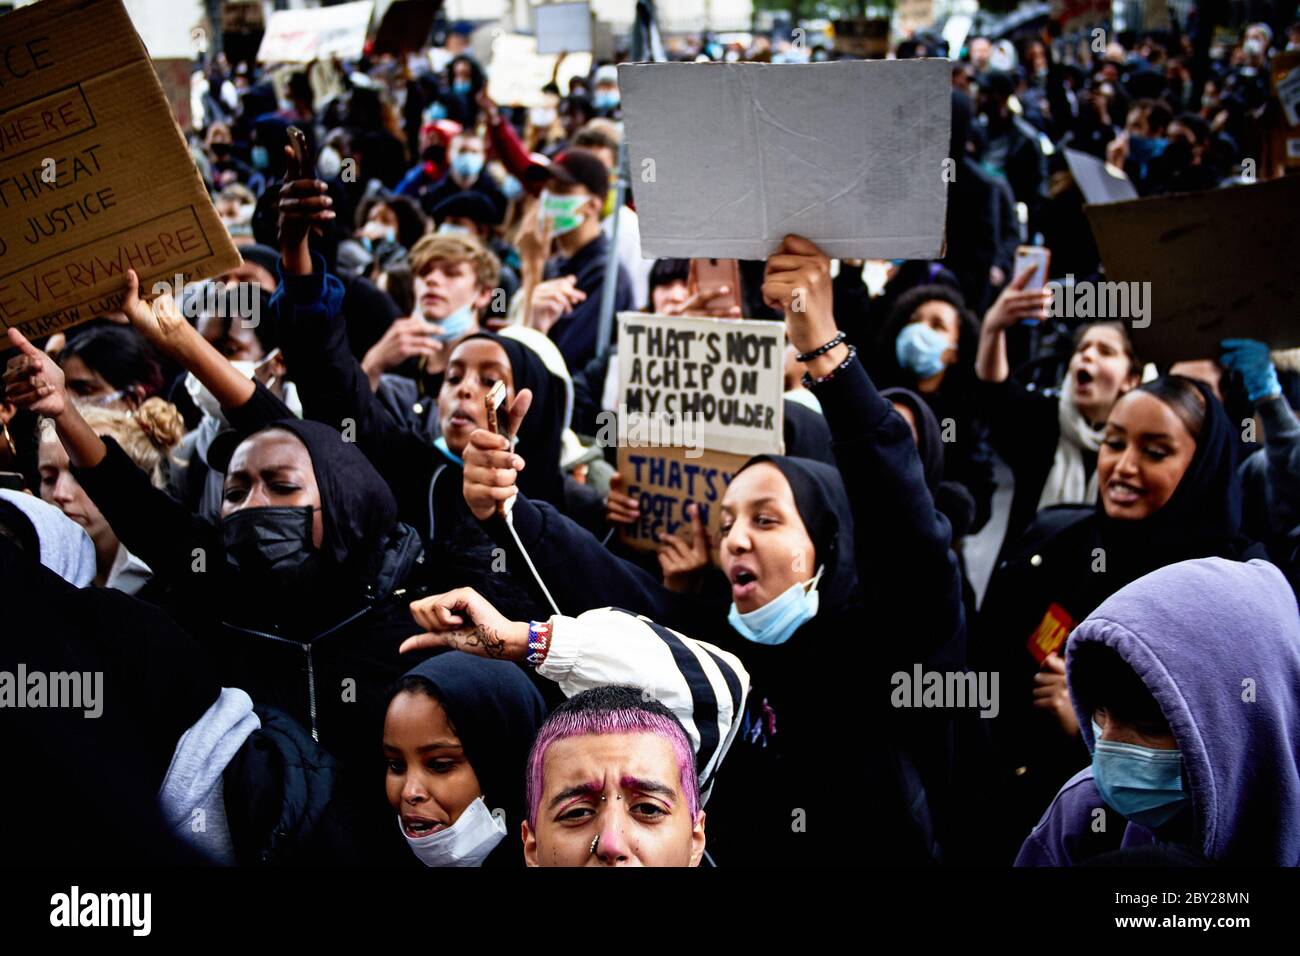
[{"x": 1251, "y": 358}]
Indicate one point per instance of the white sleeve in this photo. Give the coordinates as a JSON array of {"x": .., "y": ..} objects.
[{"x": 705, "y": 687}]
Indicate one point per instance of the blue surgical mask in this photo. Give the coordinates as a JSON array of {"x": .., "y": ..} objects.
[
  {"x": 511, "y": 187},
  {"x": 1141, "y": 784},
  {"x": 452, "y": 229},
  {"x": 457, "y": 323},
  {"x": 467, "y": 165},
  {"x": 1143, "y": 149},
  {"x": 440, "y": 443},
  {"x": 435, "y": 111},
  {"x": 920, "y": 348},
  {"x": 605, "y": 99},
  {"x": 462, "y": 87},
  {"x": 261, "y": 159},
  {"x": 777, "y": 620}
]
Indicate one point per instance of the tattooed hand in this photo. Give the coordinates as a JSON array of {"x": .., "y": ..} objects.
[{"x": 463, "y": 620}]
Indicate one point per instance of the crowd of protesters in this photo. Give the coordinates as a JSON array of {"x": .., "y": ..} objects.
[{"x": 342, "y": 620}]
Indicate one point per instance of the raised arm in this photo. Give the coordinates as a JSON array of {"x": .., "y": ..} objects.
[
  {"x": 155, "y": 527},
  {"x": 899, "y": 536},
  {"x": 1014, "y": 304},
  {"x": 703, "y": 685}
]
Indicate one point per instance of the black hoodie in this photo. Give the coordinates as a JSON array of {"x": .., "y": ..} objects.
[
  {"x": 325, "y": 656},
  {"x": 495, "y": 711}
]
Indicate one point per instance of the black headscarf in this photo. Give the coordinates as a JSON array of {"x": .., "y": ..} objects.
[
  {"x": 543, "y": 427},
  {"x": 950, "y": 497},
  {"x": 358, "y": 510},
  {"x": 823, "y": 504},
  {"x": 496, "y": 711},
  {"x": 1201, "y": 519}
]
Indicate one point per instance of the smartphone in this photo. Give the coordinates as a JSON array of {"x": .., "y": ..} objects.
[
  {"x": 496, "y": 416},
  {"x": 301, "y": 153},
  {"x": 709, "y": 275},
  {"x": 1036, "y": 257},
  {"x": 11, "y": 481}
]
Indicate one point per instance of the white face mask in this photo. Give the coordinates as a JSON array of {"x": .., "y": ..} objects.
[{"x": 467, "y": 842}]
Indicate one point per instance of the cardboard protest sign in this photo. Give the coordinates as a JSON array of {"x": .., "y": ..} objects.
[
  {"x": 850, "y": 155},
  {"x": 711, "y": 383},
  {"x": 563, "y": 27},
  {"x": 664, "y": 481},
  {"x": 95, "y": 178},
  {"x": 300, "y": 36},
  {"x": 1221, "y": 264},
  {"x": 1098, "y": 181},
  {"x": 405, "y": 27},
  {"x": 518, "y": 72}
]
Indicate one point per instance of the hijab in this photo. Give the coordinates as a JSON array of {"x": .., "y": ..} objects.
[
  {"x": 823, "y": 505},
  {"x": 1201, "y": 519},
  {"x": 495, "y": 711},
  {"x": 541, "y": 433}
]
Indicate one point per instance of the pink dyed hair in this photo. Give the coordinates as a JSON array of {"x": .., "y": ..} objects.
[{"x": 612, "y": 710}]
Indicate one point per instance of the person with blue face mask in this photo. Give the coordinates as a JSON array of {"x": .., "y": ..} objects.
[
  {"x": 818, "y": 561},
  {"x": 1185, "y": 751},
  {"x": 454, "y": 278},
  {"x": 466, "y": 174}
]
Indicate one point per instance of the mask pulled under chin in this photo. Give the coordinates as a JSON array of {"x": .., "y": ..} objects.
[
  {"x": 273, "y": 545},
  {"x": 467, "y": 842},
  {"x": 777, "y": 620}
]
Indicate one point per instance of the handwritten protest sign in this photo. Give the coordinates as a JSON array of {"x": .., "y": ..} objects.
[
  {"x": 852, "y": 155},
  {"x": 711, "y": 383},
  {"x": 300, "y": 36},
  {"x": 95, "y": 178},
  {"x": 664, "y": 481},
  {"x": 697, "y": 397}
]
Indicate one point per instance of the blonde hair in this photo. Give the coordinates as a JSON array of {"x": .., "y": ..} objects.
[
  {"x": 455, "y": 249},
  {"x": 147, "y": 434}
]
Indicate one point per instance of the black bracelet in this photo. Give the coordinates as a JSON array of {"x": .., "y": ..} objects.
[
  {"x": 809, "y": 381},
  {"x": 809, "y": 356}
]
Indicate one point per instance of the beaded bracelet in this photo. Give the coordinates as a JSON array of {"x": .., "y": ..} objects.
[
  {"x": 809, "y": 381},
  {"x": 539, "y": 642},
  {"x": 809, "y": 356}
]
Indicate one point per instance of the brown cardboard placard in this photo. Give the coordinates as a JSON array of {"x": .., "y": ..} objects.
[
  {"x": 665, "y": 481},
  {"x": 1222, "y": 264},
  {"x": 80, "y": 105}
]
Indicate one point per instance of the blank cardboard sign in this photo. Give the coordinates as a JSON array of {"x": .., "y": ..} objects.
[
  {"x": 1098, "y": 181},
  {"x": 1222, "y": 264},
  {"x": 95, "y": 178},
  {"x": 729, "y": 158}
]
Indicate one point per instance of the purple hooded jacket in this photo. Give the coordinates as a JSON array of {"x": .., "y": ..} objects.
[{"x": 1195, "y": 632}]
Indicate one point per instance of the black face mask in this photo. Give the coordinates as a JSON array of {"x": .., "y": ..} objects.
[
  {"x": 272, "y": 545},
  {"x": 221, "y": 150}
]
